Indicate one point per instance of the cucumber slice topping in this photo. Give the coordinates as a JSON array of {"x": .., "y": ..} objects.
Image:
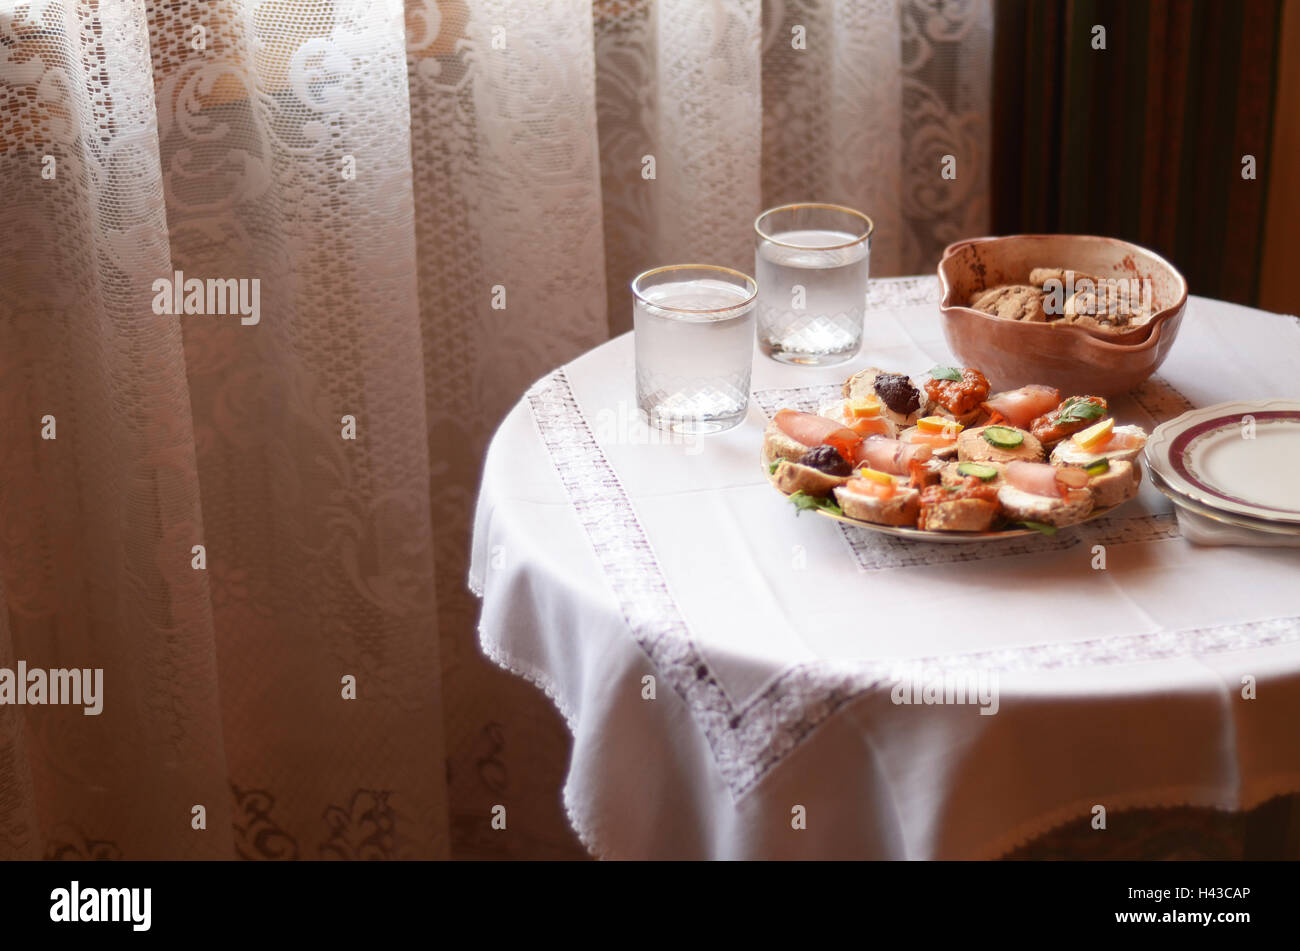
[
  {"x": 977, "y": 469},
  {"x": 1097, "y": 468},
  {"x": 1003, "y": 437}
]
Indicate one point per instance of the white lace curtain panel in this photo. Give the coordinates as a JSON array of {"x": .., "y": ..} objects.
[{"x": 438, "y": 202}]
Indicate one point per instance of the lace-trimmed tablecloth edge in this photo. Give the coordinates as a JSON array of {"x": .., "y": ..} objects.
[
  {"x": 749, "y": 739},
  {"x": 582, "y": 827},
  {"x": 888, "y": 292},
  {"x": 1021, "y": 835}
]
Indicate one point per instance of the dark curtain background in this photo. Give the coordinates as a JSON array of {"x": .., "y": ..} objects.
[{"x": 1142, "y": 140}]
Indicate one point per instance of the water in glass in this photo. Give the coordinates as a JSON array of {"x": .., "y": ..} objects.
[
  {"x": 692, "y": 369},
  {"x": 811, "y": 295}
]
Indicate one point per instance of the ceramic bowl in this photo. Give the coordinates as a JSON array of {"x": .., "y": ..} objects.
[{"x": 1012, "y": 353}]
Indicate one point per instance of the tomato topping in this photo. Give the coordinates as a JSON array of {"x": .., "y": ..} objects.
[
  {"x": 844, "y": 441},
  {"x": 879, "y": 490},
  {"x": 969, "y": 488},
  {"x": 870, "y": 426},
  {"x": 959, "y": 397}
]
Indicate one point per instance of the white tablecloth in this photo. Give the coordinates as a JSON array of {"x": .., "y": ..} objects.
[{"x": 607, "y": 553}]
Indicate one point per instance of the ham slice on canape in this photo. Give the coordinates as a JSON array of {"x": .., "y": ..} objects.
[
  {"x": 1040, "y": 478},
  {"x": 891, "y": 455},
  {"x": 1038, "y": 492},
  {"x": 1021, "y": 407},
  {"x": 810, "y": 429},
  {"x": 791, "y": 434},
  {"x": 1108, "y": 454}
]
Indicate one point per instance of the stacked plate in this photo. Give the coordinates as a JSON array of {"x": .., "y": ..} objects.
[{"x": 1232, "y": 471}]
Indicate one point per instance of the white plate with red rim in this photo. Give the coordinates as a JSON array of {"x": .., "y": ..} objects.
[
  {"x": 1241, "y": 457},
  {"x": 1229, "y": 519}
]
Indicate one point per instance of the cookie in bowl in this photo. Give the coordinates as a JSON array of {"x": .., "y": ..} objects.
[
  {"x": 1062, "y": 351},
  {"x": 1059, "y": 295},
  {"x": 1012, "y": 302},
  {"x": 1109, "y": 307}
]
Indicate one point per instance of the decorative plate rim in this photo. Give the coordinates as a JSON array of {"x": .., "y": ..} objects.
[{"x": 1167, "y": 448}]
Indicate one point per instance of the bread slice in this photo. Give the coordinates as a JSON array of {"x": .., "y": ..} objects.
[
  {"x": 862, "y": 385},
  {"x": 901, "y": 508},
  {"x": 1022, "y": 506},
  {"x": 928, "y": 472},
  {"x": 973, "y": 447},
  {"x": 791, "y": 477},
  {"x": 778, "y": 445},
  {"x": 858, "y": 386},
  {"x": 1117, "y": 484},
  {"x": 958, "y": 515}
]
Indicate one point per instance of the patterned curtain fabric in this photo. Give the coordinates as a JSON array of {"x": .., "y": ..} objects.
[
  {"x": 439, "y": 201},
  {"x": 703, "y": 112},
  {"x": 746, "y": 105},
  {"x": 231, "y": 141},
  {"x": 1145, "y": 139}
]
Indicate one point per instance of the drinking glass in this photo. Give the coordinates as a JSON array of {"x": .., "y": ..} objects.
[
  {"x": 811, "y": 263},
  {"x": 693, "y": 328}
]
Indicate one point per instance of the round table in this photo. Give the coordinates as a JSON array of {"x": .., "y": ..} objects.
[{"x": 744, "y": 682}]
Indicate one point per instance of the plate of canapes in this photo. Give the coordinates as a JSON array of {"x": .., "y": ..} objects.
[{"x": 940, "y": 458}]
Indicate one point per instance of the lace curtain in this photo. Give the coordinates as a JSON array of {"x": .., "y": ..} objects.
[
  {"x": 440, "y": 201},
  {"x": 746, "y": 105}
]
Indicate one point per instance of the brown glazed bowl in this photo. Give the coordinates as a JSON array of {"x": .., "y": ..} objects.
[{"x": 1012, "y": 353}]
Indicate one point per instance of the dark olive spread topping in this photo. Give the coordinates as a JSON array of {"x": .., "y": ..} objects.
[
  {"x": 826, "y": 459},
  {"x": 897, "y": 392}
]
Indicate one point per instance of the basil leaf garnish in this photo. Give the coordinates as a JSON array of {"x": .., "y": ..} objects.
[
  {"x": 946, "y": 373},
  {"x": 1041, "y": 527},
  {"x": 802, "y": 500},
  {"x": 1075, "y": 410}
]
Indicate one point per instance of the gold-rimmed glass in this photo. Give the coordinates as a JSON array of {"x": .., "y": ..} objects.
[
  {"x": 693, "y": 327},
  {"x": 811, "y": 261}
]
